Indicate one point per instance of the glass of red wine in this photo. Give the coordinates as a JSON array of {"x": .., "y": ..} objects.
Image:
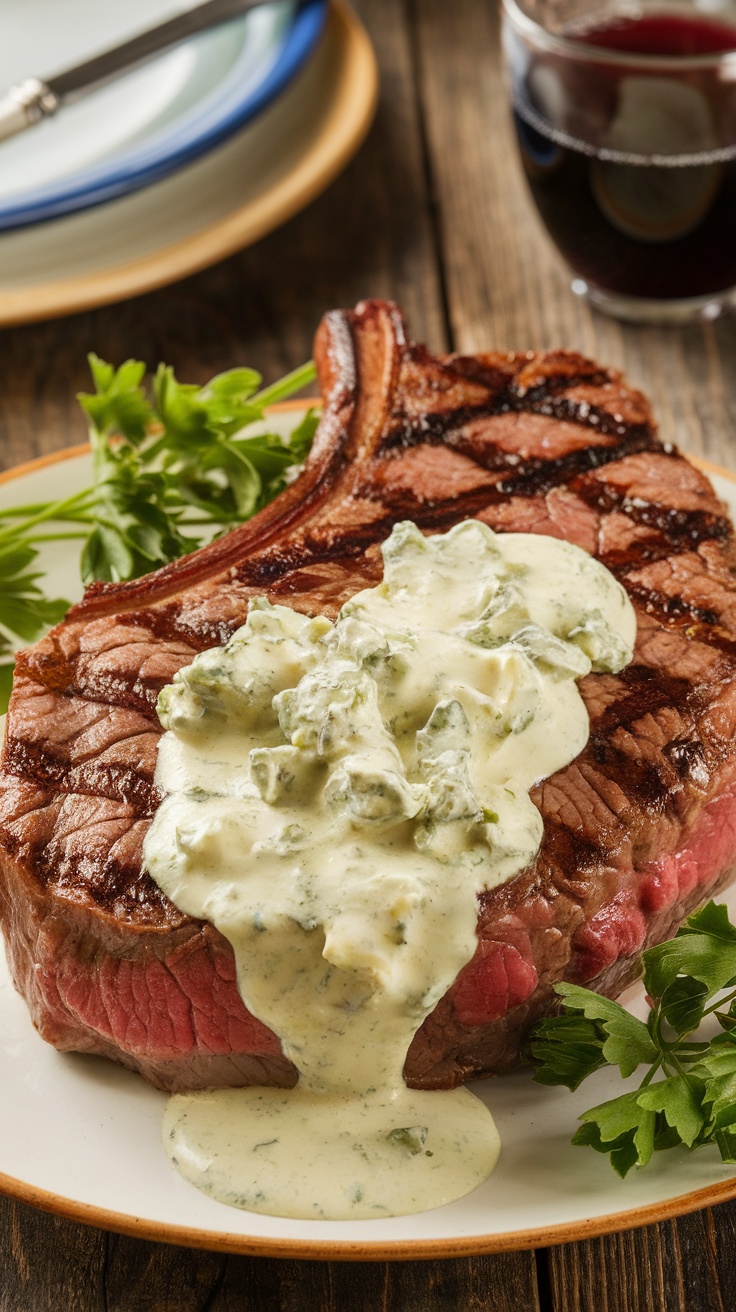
[{"x": 626, "y": 121}]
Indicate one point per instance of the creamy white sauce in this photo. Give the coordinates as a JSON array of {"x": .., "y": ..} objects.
[{"x": 338, "y": 795}]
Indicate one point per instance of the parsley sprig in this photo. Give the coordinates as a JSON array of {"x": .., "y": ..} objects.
[
  {"x": 688, "y": 1093},
  {"x": 173, "y": 467}
]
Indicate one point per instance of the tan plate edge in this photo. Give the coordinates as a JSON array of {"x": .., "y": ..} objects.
[
  {"x": 351, "y": 113},
  {"x": 351, "y": 1251},
  {"x": 41, "y": 462},
  {"x": 316, "y": 1250}
]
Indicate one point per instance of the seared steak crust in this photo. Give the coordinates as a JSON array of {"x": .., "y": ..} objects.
[{"x": 639, "y": 829}]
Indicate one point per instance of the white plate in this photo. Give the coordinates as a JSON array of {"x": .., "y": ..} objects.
[
  {"x": 84, "y": 1135},
  {"x": 225, "y": 200},
  {"x": 153, "y": 119}
]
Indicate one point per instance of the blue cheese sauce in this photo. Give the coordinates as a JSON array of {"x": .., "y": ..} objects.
[{"x": 337, "y": 795}]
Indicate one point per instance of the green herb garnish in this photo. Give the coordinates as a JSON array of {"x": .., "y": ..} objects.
[
  {"x": 172, "y": 468},
  {"x": 688, "y": 1094},
  {"x": 410, "y": 1137}
]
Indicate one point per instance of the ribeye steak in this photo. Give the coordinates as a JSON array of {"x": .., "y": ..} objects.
[{"x": 639, "y": 830}]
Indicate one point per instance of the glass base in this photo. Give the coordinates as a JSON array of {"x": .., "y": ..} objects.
[{"x": 632, "y": 309}]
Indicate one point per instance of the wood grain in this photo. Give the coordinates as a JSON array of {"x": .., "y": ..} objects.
[
  {"x": 434, "y": 213},
  {"x": 47, "y": 1264},
  {"x": 679, "y": 1266},
  {"x": 50, "y": 1265}
]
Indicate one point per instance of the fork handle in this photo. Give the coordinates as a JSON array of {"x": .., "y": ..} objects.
[{"x": 25, "y": 105}]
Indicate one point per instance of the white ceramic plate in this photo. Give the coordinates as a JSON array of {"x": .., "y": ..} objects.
[
  {"x": 225, "y": 200},
  {"x": 154, "y": 118},
  {"x": 83, "y": 1136}
]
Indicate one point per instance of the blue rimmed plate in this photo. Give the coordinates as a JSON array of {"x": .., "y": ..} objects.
[
  {"x": 150, "y": 122},
  {"x": 225, "y": 200}
]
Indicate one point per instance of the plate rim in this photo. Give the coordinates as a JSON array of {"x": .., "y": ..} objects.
[
  {"x": 348, "y": 117},
  {"x": 350, "y": 1250},
  {"x": 221, "y": 1241},
  {"x": 140, "y": 166}
]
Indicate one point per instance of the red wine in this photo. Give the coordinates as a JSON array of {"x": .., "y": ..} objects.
[
  {"x": 637, "y": 186},
  {"x": 660, "y": 34}
]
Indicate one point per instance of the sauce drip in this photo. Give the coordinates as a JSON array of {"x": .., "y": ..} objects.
[{"x": 338, "y": 796}]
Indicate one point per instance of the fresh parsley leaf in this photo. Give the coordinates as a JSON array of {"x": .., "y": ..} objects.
[
  {"x": 301, "y": 439},
  {"x": 118, "y": 404},
  {"x": 622, "y": 1128},
  {"x": 25, "y": 612},
  {"x": 570, "y": 1047},
  {"x": 135, "y": 526},
  {"x": 172, "y": 468},
  {"x": 625, "y": 1041},
  {"x": 179, "y": 463},
  {"x": 683, "y": 1003},
  {"x": 711, "y": 919},
  {"x": 704, "y": 949},
  {"x": 6, "y": 683},
  {"x": 726, "y": 1143},
  {"x": 680, "y": 1099},
  {"x": 693, "y": 1100}
]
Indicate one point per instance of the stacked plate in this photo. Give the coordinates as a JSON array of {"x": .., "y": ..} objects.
[{"x": 178, "y": 163}]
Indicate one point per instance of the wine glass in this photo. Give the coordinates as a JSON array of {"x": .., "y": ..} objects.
[{"x": 626, "y": 123}]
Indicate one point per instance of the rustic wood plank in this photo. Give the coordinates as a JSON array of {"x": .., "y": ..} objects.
[
  {"x": 706, "y": 1246},
  {"x": 625, "y": 1272},
  {"x": 492, "y": 1284},
  {"x": 678, "y": 1266},
  {"x": 506, "y": 286},
  {"x": 47, "y": 1264},
  {"x": 52, "y": 1264},
  {"x": 159, "y": 1277}
]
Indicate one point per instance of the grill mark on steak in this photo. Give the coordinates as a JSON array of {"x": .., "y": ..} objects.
[
  {"x": 572, "y": 854},
  {"x": 648, "y": 551},
  {"x": 675, "y": 530},
  {"x": 162, "y": 622},
  {"x": 561, "y": 445},
  {"x": 645, "y": 691},
  {"x": 118, "y": 889},
  {"x": 443, "y": 428},
  {"x": 440, "y": 426},
  {"x": 542, "y": 476},
  {"x": 509, "y": 396},
  {"x": 683, "y": 529},
  {"x": 645, "y": 784},
  {"x": 676, "y": 609},
  {"x": 132, "y": 692},
  {"x": 50, "y": 769}
]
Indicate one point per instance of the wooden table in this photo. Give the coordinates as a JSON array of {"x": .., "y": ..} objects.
[{"x": 434, "y": 213}]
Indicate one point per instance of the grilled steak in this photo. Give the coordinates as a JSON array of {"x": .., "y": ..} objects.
[{"x": 639, "y": 830}]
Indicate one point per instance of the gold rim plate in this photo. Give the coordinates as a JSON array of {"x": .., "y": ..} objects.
[{"x": 413, "y": 1249}]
